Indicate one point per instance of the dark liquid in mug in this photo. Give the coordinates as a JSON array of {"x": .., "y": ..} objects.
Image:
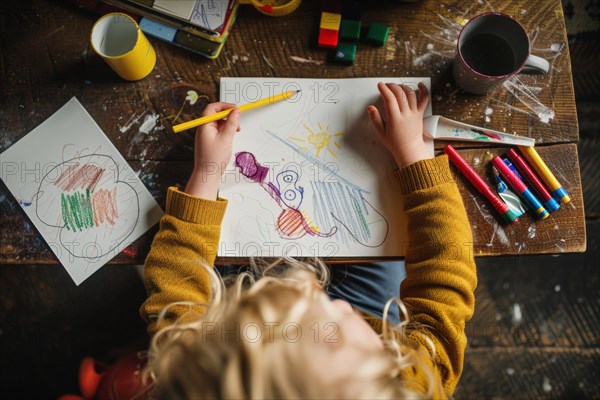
[{"x": 489, "y": 54}]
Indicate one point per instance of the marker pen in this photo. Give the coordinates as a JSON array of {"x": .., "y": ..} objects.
[
  {"x": 508, "y": 215},
  {"x": 512, "y": 200},
  {"x": 539, "y": 166},
  {"x": 549, "y": 202},
  {"x": 520, "y": 188}
]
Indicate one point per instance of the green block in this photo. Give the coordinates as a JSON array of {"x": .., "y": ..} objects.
[
  {"x": 345, "y": 53},
  {"x": 378, "y": 33},
  {"x": 350, "y": 29}
]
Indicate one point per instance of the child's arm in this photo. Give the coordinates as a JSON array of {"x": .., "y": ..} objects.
[
  {"x": 440, "y": 269},
  {"x": 190, "y": 229}
]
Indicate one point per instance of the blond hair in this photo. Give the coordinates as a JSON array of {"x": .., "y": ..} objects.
[{"x": 243, "y": 346}]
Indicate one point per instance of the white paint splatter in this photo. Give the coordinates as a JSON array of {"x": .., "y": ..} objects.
[
  {"x": 557, "y": 288},
  {"x": 488, "y": 119},
  {"x": 523, "y": 11},
  {"x": 546, "y": 385},
  {"x": 526, "y": 95},
  {"x": 556, "y": 47},
  {"x": 510, "y": 371},
  {"x": 531, "y": 231},
  {"x": 499, "y": 231},
  {"x": 130, "y": 122},
  {"x": 517, "y": 315},
  {"x": 6, "y": 142},
  {"x": 489, "y": 218},
  {"x": 560, "y": 246},
  {"x": 303, "y": 60},
  {"x": 429, "y": 46},
  {"x": 476, "y": 161},
  {"x": 488, "y": 111},
  {"x": 421, "y": 59},
  {"x": 149, "y": 123}
]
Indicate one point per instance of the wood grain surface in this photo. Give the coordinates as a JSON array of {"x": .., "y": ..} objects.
[{"x": 45, "y": 59}]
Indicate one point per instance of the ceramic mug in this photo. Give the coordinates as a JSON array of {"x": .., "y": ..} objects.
[
  {"x": 491, "y": 48},
  {"x": 118, "y": 39}
]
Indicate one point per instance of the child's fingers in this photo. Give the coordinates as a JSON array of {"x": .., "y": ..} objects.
[
  {"x": 219, "y": 106},
  {"x": 231, "y": 124},
  {"x": 423, "y": 97},
  {"x": 376, "y": 120},
  {"x": 389, "y": 101},
  {"x": 411, "y": 96},
  {"x": 400, "y": 96}
]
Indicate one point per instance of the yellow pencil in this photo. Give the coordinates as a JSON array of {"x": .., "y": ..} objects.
[{"x": 245, "y": 107}]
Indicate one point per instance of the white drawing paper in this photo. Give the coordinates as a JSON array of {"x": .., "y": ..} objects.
[
  {"x": 210, "y": 14},
  {"x": 179, "y": 8},
  {"x": 308, "y": 176},
  {"x": 77, "y": 189}
]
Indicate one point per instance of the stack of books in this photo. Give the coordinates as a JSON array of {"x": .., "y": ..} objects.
[{"x": 201, "y": 26}]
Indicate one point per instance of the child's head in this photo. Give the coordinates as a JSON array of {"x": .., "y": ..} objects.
[{"x": 280, "y": 336}]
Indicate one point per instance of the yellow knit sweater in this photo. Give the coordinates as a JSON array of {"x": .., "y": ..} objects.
[{"x": 440, "y": 269}]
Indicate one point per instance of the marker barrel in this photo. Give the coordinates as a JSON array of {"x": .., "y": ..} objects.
[
  {"x": 532, "y": 202},
  {"x": 482, "y": 187},
  {"x": 539, "y": 166},
  {"x": 549, "y": 202}
]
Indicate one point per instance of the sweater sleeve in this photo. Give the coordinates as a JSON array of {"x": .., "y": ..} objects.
[
  {"x": 188, "y": 237},
  {"x": 440, "y": 268}
]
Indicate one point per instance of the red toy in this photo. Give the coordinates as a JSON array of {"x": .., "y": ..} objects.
[{"x": 122, "y": 380}]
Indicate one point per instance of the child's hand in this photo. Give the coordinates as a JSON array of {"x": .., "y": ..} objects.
[
  {"x": 400, "y": 129},
  {"x": 214, "y": 142}
]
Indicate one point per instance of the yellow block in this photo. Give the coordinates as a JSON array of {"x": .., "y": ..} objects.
[{"x": 331, "y": 21}]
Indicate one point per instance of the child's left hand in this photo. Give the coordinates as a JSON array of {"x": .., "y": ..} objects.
[{"x": 213, "y": 148}]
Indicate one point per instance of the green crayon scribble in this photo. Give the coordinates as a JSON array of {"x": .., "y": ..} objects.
[
  {"x": 360, "y": 215},
  {"x": 77, "y": 210}
]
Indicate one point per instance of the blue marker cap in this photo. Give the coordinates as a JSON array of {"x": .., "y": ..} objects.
[
  {"x": 534, "y": 204},
  {"x": 551, "y": 205},
  {"x": 561, "y": 195}
]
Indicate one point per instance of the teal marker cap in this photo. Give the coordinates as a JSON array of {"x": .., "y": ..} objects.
[
  {"x": 561, "y": 195},
  {"x": 551, "y": 205},
  {"x": 510, "y": 216}
]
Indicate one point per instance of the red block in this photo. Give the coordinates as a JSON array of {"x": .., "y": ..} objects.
[{"x": 328, "y": 38}]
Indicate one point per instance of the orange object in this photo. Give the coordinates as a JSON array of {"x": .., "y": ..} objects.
[{"x": 120, "y": 381}]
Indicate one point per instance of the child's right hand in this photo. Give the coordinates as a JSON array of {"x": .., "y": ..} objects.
[
  {"x": 400, "y": 129},
  {"x": 213, "y": 148}
]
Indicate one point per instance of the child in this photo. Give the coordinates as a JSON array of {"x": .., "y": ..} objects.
[{"x": 280, "y": 336}]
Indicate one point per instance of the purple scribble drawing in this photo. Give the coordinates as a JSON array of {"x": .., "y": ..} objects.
[{"x": 291, "y": 222}]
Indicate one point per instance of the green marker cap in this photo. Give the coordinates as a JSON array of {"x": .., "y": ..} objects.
[{"x": 510, "y": 216}]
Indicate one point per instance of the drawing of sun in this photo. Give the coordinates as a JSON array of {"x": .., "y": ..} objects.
[{"x": 319, "y": 140}]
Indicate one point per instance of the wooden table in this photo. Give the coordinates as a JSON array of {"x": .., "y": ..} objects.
[{"x": 45, "y": 59}]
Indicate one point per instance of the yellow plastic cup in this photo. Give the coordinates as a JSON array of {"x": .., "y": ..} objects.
[{"x": 118, "y": 39}]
